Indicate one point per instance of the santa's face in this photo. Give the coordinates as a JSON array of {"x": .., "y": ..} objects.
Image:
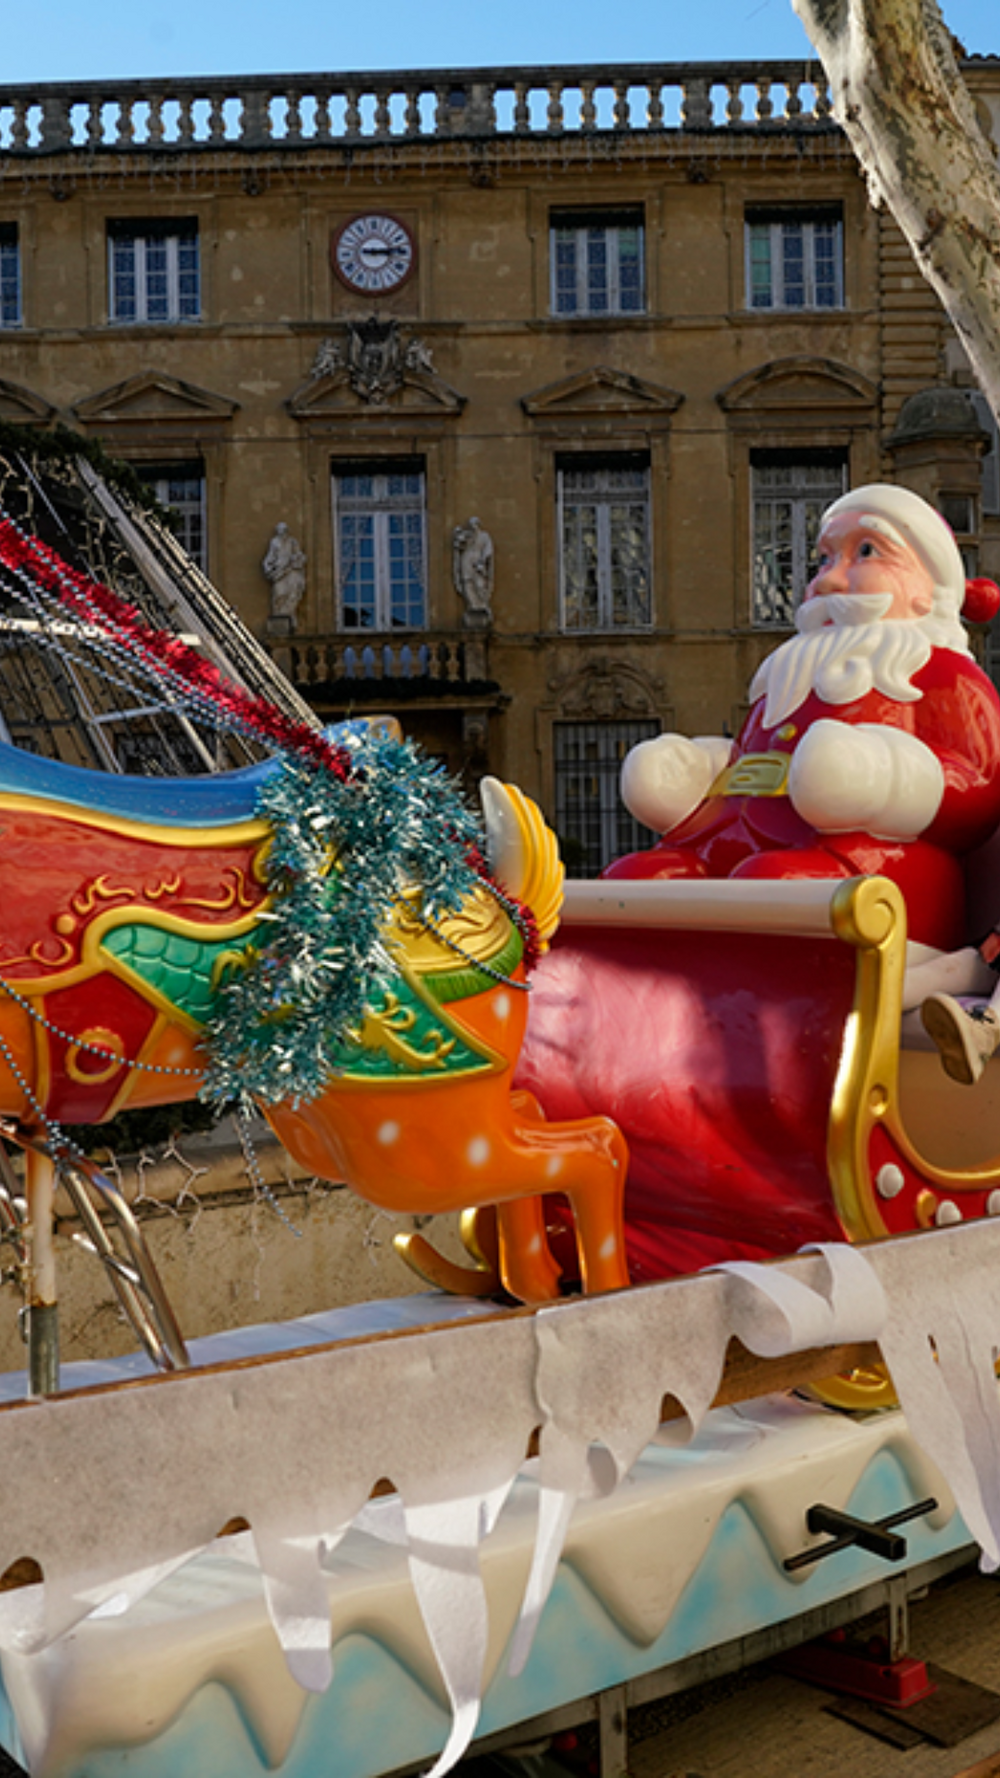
[{"x": 861, "y": 553}]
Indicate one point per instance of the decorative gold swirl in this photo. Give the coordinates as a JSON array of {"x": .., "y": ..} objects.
[
  {"x": 166, "y": 886},
  {"x": 386, "y": 1029},
  {"x": 236, "y": 894},
  {"x": 99, "y": 889}
]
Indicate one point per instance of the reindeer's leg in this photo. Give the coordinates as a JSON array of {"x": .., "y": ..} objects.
[
  {"x": 42, "y": 1316},
  {"x": 527, "y": 1268},
  {"x": 596, "y": 1193},
  {"x": 586, "y": 1160}
]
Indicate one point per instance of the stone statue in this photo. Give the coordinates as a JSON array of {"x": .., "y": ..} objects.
[
  {"x": 285, "y": 567},
  {"x": 472, "y": 566}
]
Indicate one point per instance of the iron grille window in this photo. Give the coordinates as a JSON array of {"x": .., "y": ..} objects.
[
  {"x": 789, "y": 497},
  {"x": 597, "y": 263},
  {"x": 605, "y": 547},
  {"x": 380, "y": 531},
  {"x": 10, "y": 276},
  {"x": 153, "y": 270},
  {"x": 181, "y": 488},
  {"x": 592, "y": 822},
  {"x": 794, "y": 260}
]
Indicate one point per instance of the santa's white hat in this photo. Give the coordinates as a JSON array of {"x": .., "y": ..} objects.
[{"x": 926, "y": 532}]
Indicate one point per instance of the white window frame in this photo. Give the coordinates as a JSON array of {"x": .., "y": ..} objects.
[
  {"x": 382, "y": 506},
  {"x": 10, "y": 277},
  {"x": 179, "y": 307},
  {"x": 189, "y": 509},
  {"x": 817, "y": 485},
  {"x": 612, "y": 232},
  {"x": 603, "y": 499},
  {"x": 776, "y": 228}
]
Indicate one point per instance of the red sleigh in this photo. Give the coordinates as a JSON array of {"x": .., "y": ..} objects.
[{"x": 746, "y": 1038}]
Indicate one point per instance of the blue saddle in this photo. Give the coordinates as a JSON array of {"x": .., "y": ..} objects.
[{"x": 219, "y": 799}]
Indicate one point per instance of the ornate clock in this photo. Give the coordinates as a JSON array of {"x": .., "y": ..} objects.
[{"x": 373, "y": 253}]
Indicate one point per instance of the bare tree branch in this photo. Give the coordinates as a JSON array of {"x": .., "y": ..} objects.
[{"x": 898, "y": 94}]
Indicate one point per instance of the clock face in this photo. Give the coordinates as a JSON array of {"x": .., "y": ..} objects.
[{"x": 373, "y": 253}]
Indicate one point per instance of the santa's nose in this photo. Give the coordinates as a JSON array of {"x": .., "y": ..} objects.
[{"x": 831, "y": 577}]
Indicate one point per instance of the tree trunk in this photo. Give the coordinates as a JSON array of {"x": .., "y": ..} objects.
[{"x": 899, "y": 96}]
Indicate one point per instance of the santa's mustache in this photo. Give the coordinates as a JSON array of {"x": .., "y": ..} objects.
[{"x": 841, "y": 610}]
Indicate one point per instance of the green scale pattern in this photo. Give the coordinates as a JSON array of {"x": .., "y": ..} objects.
[{"x": 176, "y": 967}]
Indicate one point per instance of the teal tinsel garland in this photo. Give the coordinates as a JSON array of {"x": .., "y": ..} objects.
[{"x": 341, "y": 854}]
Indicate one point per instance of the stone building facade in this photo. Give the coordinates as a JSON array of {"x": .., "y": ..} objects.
[{"x": 545, "y": 375}]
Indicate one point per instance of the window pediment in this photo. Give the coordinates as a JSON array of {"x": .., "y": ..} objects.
[
  {"x": 19, "y": 403},
  {"x": 816, "y": 384},
  {"x": 154, "y": 396},
  {"x": 601, "y": 392}
]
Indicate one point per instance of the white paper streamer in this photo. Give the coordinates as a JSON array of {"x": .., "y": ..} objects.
[
  {"x": 604, "y": 1368},
  {"x": 941, "y": 1345}
]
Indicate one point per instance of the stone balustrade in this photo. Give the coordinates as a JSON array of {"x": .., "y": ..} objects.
[
  {"x": 323, "y": 110},
  {"x": 433, "y": 662}
]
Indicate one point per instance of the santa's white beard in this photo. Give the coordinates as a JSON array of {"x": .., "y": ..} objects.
[{"x": 854, "y": 654}]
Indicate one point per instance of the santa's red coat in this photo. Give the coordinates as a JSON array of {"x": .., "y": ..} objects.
[{"x": 957, "y": 716}]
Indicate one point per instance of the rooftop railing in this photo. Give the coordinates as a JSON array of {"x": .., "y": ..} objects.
[{"x": 297, "y": 111}]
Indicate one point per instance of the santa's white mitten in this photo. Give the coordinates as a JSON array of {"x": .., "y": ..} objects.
[
  {"x": 664, "y": 780},
  {"x": 866, "y": 777}
]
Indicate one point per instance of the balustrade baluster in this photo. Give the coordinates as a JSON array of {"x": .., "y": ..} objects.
[
  {"x": 293, "y": 116},
  {"x": 588, "y": 107},
  {"x": 154, "y": 120},
  {"x": 126, "y": 128},
  {"x": 217, "y": 117},
  {"x": 823, "y": 104},
  {"x": 621, "y": 108},
  {"x": 185, "y": 120},
  {"x": 793, "y": 103},
  {"x": 352, "y": 113},
  {"x": 522, "y": 108},
  {"x": 383, "y": 111},
  {"x": 554, "y": 110},
  {"x": 322, "y": 124},
  {"x": 654, "y": 107},
  {"x": 765, "y": 109},
  {"x": 411, "y": 116},
  {"x": 19, "y": 124},
  {"x": 95, "y": 123},
  {"x": 734, "y": 104}
]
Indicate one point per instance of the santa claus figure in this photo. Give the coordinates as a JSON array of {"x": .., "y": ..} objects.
[{"x": 873, "y": 741}]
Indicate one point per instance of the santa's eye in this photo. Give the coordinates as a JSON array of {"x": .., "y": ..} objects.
[{"x": 867, "y": 549}]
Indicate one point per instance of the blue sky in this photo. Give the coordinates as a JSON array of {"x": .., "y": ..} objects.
[{"x": 64, "y": 40}]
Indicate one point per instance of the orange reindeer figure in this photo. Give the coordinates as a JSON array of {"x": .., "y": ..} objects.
[{"x": 123, "y": 901}]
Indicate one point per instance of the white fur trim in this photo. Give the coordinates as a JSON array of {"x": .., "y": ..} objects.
[
  {"x": 868, "y": 776},
  {"x": 664, "y": 780}
]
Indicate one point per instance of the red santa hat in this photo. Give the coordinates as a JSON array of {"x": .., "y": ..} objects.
[{"x": 931, "y": 539}]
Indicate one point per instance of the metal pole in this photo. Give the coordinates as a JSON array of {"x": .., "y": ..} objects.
[{"x": 42, "y": 1314}]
